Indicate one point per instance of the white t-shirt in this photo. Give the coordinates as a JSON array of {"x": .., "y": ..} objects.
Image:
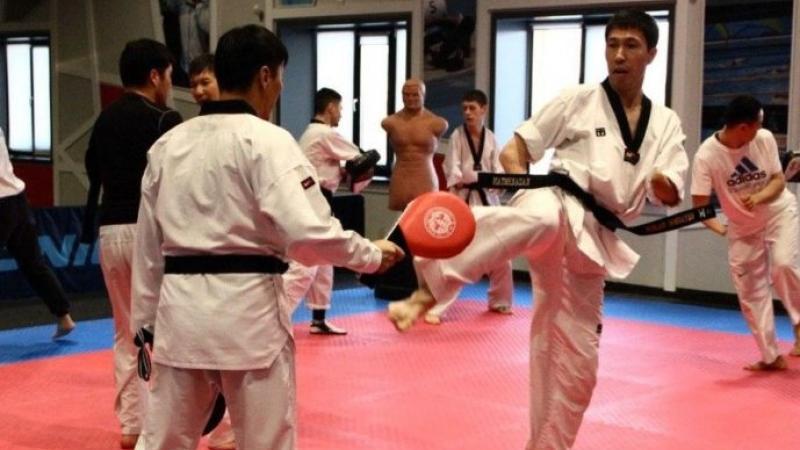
[
  {"x": 9, "y": 183},
  {"x": 733, "y": 173}
]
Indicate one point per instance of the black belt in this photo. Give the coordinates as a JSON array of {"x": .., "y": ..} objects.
[
  {"x": 199, "y": 264},
  {"x": 476, "y": 187},
  {"x": 607, "y": 218}
]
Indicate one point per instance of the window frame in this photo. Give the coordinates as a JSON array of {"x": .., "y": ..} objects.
[
  {"x": 35, "y": 39},
  {"x": 371, "y": 28},
  {"x": 588, "y": 16},
  {"x": 388, "y": 23}
]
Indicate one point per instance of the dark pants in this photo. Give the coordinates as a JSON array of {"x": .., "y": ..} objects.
[
  {"x": 400, "y": 281},
  {"x": 18, "y": 235}
]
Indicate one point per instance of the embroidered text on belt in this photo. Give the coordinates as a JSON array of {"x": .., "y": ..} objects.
[{"x": 607, "y": 218}]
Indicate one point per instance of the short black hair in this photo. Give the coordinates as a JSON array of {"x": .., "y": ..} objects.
[
  {"x": 742, "y": 109},
  {"x": 637, "y": 20},
  {"x": 475, "y": 95},
  {"x": 323, "y": 98},
  {"x": 242, "y": 52},
  {"x": 201, "y": 63},
  {"x": 141, "y": 56}
]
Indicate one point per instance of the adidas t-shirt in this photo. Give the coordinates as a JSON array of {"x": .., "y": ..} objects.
[{"x": 735, "y": 173}]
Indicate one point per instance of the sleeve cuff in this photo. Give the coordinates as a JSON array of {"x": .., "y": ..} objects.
[{"x": 533, "y": 140}]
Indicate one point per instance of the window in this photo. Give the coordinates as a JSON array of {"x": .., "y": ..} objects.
[
  {"x": 559, "y": 51},
  {"x": 748, "y": 51},
  {"x": 360, "y": 54},
  {"x": 26, "y": 113},
  {"x": 341, "y": 46}
]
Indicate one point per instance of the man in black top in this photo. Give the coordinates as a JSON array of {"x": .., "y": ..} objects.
[
  {"x": 115, "y": 161},
  {"x": 18, "y": 235}
]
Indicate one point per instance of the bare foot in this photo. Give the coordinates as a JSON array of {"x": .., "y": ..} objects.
[
  {"x": 404, "y": 313},
  {"x": 127, "y": 441},
  {"x": 433, "y": 319},
  {"x": 796, "y": 349},
  {"x": 761, "y": 366},
  {"x": 64, "y": 326},
  {"x": 500, "y": 309}
]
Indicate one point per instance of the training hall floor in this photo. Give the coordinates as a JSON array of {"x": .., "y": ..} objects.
[{"x": 670, "y": 378}]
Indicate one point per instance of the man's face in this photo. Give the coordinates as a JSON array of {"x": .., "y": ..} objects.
[
  {"x": 163, "y": 84},
  {"x": 473, "y": 113},
  {"x": 627, "y": 58},
  {"x": 413, "y": 98},
  {"x": 204, "y": 86},
  {"x": 273, "y": 89},
  {"x": 335, "y": 109}
]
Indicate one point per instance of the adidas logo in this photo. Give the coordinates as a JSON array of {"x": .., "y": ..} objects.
[{"x": 746, "y": 171}]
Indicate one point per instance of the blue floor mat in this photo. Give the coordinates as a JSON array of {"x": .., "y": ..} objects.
[{"x": 34, "y": 342}]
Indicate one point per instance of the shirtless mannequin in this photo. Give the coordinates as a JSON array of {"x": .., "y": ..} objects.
[{"x": 414, "y": 134}]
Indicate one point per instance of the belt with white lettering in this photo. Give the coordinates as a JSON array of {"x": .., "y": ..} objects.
[{"x": 607, "y": 218}]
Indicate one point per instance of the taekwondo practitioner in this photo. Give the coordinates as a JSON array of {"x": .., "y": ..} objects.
[
  {"x": 473, "y": 149},
  {"x": 621, "y": 149},
  {"x": 115, "y": 161},
  {"x": 740, "y": 164},
  {"x": 226, "y": 198},
  {"x": 325, "y": 148},
  {"x": 203, "y": 87}
]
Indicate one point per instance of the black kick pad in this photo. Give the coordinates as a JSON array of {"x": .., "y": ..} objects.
[{"x": 400, "y": 280}]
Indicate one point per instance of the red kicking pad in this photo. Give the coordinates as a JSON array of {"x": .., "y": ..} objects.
[{"x": 435, "y": 225}]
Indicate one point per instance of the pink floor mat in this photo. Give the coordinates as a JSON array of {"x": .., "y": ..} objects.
[{"x": 462, "y": 385}]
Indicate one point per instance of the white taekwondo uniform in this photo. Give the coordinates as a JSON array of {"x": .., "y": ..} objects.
[
  {"x": 568, "y": 250},
  {"x": 325, "y": 148},
  {"x": 762, "y": 243},
  {"x": 460, "y": 167},
  {"x": 225, "y": 183}
]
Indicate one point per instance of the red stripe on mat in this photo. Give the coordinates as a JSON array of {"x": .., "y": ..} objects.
[{"x": 462, "y": 385}]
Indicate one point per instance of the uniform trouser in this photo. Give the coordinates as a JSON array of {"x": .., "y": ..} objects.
[
  {"x": 568, "y": 290},
  {"x": 130, "y": 401},
  {"x": 757, "y": 259},
  {"x": 18, "y": 235},
  {"x": 116, "y": 252},
  {"x": 262, "y": 405},
  {"x": 315, "y": 283},
  {"x": 501, "y": 277},
  {"x": 501, "y": 290}
]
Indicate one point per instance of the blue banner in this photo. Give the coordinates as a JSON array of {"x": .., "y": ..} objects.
[{"x": 76, "y": 265}]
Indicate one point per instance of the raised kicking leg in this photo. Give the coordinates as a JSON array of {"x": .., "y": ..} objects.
[{"x": 531, "y": 227}]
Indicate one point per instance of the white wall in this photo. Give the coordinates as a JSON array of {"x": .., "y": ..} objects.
[{"x": 88, "y": 35}]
